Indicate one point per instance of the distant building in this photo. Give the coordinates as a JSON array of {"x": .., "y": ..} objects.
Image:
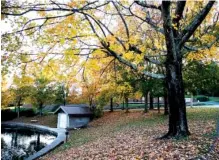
[
  {"x": 73, "y": 116},
  {"x": 51, "y": 108},
  {"x": 27, "y": 106}
]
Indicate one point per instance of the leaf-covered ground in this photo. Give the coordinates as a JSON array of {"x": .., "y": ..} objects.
[{"x": 120, "y": 135}]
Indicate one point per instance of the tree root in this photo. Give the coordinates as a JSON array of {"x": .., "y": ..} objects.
[{"x": 175, "y": 135}]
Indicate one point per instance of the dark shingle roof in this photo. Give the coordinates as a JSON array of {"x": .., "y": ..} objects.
[
  {"x": 75, "y": 109},
  {"x": 51, "y": 108}
]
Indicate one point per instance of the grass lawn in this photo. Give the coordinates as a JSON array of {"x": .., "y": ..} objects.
[
  {"x": 120, "y": 135},
  {"x": 133, "y": 106},
  {"x": 139, "y": 105}
]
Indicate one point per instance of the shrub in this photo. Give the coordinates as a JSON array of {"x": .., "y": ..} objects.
[
  {"x": 98, "y": 112},
  {"x": 202, "y": 98},
  {"x": 8, "y": 114},
  {"x": 28, "y": 112}
]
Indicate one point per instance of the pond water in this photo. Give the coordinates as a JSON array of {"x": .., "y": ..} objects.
[{"x": 18, "y": 144}]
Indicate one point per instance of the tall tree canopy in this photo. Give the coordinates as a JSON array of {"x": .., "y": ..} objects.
[{"x": 135, "y": 33}]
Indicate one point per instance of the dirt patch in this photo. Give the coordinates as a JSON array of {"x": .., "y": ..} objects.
[{"x": 46, "y": 120}]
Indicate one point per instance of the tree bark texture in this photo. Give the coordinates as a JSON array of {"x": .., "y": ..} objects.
[
  {"x": 146, "y": 102},
  {"x": 166, "y": 110},
  {"x": 158, "y": 104},
  {"x": 127, "y": 104},
  {"x": 111, "y": 104},
  {"x": 177, "y": 109},
  {"x": 151, "y": 102},
  {"x": 18, "y": 107},
  {"x": 41, "y": 108},
  {"x": 123, "y": 104}
]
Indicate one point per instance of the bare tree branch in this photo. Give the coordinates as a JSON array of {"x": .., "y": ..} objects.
[
  {"x": 168, "y": 29},
  {"x": 178, "y": 14},
  {"x": 179, "y": 11},
  {"x": 47, "y": 18},
  {"x": 86, "y": 16},
  {"x": 148, "y": 21},
  {"x": 131, "y": 65},
  {"x": 92, "y": 27},
  {"x": 152, "y": 60},
  {"x": 123, "y": 20},
  {"x": 40, "y": 9},
  {"x": 106, "y": 67},
  {"x": 207, "y": 46},
  {"x": 144, "y": 4},
  {"x": 30, "y": 28},
  {"x": 119, "y": 40}
]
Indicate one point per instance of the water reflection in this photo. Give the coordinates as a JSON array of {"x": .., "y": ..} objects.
[{"x": 18, "y": 144}]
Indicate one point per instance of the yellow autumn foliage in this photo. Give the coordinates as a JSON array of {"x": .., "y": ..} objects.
[{"x": 205, "y": 55}]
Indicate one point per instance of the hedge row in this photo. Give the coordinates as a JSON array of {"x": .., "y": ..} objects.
[
  {"x": 202, "y": 98},
  {"x": 8, "y": 114}
]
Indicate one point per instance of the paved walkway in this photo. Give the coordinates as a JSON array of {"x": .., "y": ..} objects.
[{"x": 209, "y": 104}]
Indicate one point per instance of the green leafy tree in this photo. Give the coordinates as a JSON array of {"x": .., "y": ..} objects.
[
  {"x": 61, "y": 93},
  {"x": 158, "y": 91},
  {"x": 127, "y": 85},
  {"x": 201, "y": 78},
  {"x": 20, "y": 94},
  {"x": 145, "y": 87},
  {"x": 20, "y": 88},
  {"x": 42, "y": 93}
]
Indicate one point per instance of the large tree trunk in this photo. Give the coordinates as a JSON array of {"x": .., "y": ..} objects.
[
  {"x": 41, "y": 109},
  {"x": 18, "y": 107},
  {"x": 158, "y": 104},
  {"x": 18, "y": 111},
  {"x": 151, "y": 102},
  {"x": 177, "y": 113},
  {"x": 90, "y": 101},
  {"x": 191, "y": 101},
  {"x": 123, "y": 104},
  {"x": 127, "y": 104},
  {"x": 166, "y": 111},
  {"x": 111, "y": 104},
  {"x": 146, "y": 102},
  {"x": 176, "y": 98},
  {"x": 64, "y": 96}
]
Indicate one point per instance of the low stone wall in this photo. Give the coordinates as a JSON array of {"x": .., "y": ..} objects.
[{"x": 61, "y": 136}]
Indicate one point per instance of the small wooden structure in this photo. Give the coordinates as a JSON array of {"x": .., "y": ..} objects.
[
  {"x": 73, "y": 116},
  {"x": 33, "y": 121}
]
